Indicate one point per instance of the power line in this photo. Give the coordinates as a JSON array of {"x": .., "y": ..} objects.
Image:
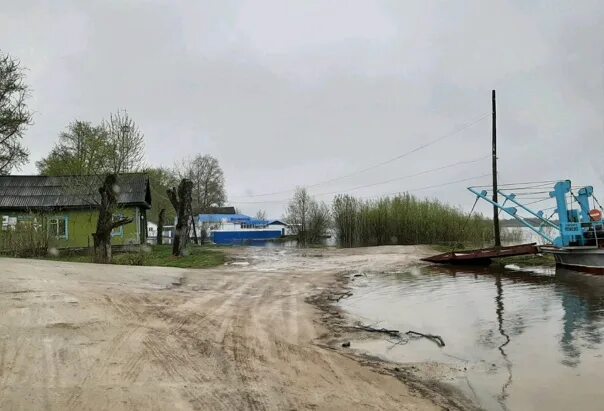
[
  {"x": 383, "y": 163},
  {"x": 438, "y": 185},
  {"x": 407, "y": 176},
  {"x": 285, "y": 200}
]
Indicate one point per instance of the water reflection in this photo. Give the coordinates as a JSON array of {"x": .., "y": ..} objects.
[
  {"x": 499, "y": 311},
  {"x": 583, "y": 313},
  {"x": 533, "y": 338}
]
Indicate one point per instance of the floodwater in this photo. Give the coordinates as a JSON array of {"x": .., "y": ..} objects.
[{"x": 517, "y": 340}]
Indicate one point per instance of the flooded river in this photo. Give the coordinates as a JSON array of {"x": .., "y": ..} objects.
[{"x": 515, "y": 340}]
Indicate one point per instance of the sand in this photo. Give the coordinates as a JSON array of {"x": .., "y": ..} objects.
[{"x": 250, "y": 335}]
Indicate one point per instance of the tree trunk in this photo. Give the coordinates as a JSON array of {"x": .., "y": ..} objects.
[
  {"x": 102, "y": 249},
  {"x": 160, "y": 226},
  {"x": 181, "y": 200},
  {"x": 105, "y": 223},
  {"x": 194, "y": 231}
]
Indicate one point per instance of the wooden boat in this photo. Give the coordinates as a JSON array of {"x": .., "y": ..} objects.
[{"x": 482, "y": 256}]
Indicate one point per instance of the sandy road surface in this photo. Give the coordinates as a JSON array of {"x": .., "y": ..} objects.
[{"x": 83, "y": 336}]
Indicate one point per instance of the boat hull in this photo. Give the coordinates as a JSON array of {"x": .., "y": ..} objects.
[
  {"x": 482, "y": 256},
  {"x": 585, "y": 259}
]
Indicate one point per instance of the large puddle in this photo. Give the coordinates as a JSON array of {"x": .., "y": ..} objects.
[{"x": 514, "y": 339}]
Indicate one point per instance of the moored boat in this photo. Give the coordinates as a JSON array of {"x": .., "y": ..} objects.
[
  {"x": 586, "y": 259},
  {"x": 579, "y": 244}
]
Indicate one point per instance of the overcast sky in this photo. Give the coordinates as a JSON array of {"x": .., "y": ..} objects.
[{"x": 288, "y": 93}]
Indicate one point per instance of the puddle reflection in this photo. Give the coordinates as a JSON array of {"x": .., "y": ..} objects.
[{"x": 523, "y": 339}]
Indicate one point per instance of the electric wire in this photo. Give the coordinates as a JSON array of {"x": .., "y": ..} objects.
[
  {"x": 435, "y": 186},
  {"x": 404, "y": 177},
  {"x": 537, "y": 201},
  {"x": 285, "y": 200},
  {"x": 383, "y": 163}
]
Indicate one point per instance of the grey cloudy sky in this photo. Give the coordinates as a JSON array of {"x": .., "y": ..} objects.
[{"x": 288, "y": 93}]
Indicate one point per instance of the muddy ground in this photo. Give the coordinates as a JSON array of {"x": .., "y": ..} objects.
[{"x": 259, "y": 333}]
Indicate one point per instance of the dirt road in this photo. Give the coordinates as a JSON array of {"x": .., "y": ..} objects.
[{"x": 83, "y": 336}]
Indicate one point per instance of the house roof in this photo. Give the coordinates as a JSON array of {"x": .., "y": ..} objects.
[
  {"x": 276, "y": 222},
  {"x": 232, "y": 218},
  {"x": 220, "y": 210},
  {"x": 48, "y": 193},
  {"x": 221, "y": 218}
]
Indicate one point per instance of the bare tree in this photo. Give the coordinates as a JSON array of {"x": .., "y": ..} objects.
[
  {"x": 261, "y": 215},
  {"x": 308, "y": 218},
  {"x": 105, "y": 223},
  {"x": 14, "y": 114},
  {"x": 208, "y": 181},
  {"x": 181, "y": 201},
  {"x": 127, "y": 143},
  {"x": 319, "y": 221},
  {"x": 298, "y": 213}
]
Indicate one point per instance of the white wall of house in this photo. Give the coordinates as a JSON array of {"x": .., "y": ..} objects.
[
  {"x": 152, "y": 233},
  {"x": 151, "y": 229},
  {"x": 279, "y": 227}
]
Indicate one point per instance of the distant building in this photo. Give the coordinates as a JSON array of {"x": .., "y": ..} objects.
[
  {"x": 238, "y": 229},
  {"x": 168, "y": 234},
  {"x": 68, "y": 213}
]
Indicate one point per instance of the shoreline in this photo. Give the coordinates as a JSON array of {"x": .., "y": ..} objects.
[
  {"x": 259, "y": 333},
  {"x": 340, "y": 326}
]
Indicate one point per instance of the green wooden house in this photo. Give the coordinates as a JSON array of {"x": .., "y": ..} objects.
[{"x": 66, "y": 208}]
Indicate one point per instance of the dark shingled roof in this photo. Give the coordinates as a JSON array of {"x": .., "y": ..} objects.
[
  {"x": 220, "y": 210},
  {"x": 68, "y": 192}
]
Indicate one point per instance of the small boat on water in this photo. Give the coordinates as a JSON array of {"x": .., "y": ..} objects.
[
  {"x": 579, "y": 229},
  {"x": 482, "y": 256}
]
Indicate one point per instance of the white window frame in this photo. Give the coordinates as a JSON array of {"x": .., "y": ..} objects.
[
  {"x": 56, "y": 234},
  {"x": 119, "y": 231}
]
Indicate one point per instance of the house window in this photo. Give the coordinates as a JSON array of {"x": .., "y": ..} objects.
[
  {"x": 57, "y": 227},
  {"x": 118, "y": 231}
]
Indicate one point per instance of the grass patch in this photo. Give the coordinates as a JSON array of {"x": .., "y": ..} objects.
[
  {"x": 156, "y": 256},
  {"x": 529, "y": 260}
]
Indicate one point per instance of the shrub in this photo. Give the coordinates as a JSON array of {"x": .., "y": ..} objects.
[
  {"x": 26, "y": 239},
  {"x": 405, "y": 219}
]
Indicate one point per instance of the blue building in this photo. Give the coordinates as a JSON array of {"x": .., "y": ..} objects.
[{"x": 239, "y": 229}]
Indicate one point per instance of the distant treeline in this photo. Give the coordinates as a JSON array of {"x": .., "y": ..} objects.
[{"x": 405, "y": 219}]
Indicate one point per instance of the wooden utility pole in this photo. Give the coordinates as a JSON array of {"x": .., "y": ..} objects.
[{"x": 495, "y": 210}]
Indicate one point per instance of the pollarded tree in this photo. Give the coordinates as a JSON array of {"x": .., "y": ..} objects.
[
  {"x": 105, "y": 224},
  {"x": 94, "y": 156},
  {"x": 160, "y": 181},
  {"x": 181, "y": 200},
  {"x": 14, "y": 114}
]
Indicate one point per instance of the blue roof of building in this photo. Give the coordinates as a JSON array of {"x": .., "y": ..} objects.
[
  {"x": 234, "y": 218},
  {"x": 222, "y": 218},
  {"x": 255, "y": 221}
]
